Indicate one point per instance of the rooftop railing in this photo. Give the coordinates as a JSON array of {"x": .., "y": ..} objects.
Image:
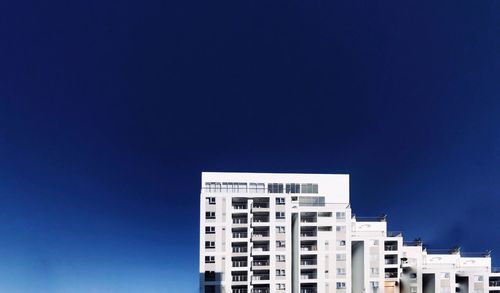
[
  {"x": 394, "y": 234},
  {"x": 495, "y": 269}
]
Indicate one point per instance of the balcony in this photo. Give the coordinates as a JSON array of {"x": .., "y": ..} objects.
[
  {"x": 261, "y": 219},
  {"x": 260, "y": 234},
  {"x": 391, "y": 247},
  {"x": 240, "y": 206},
  {"x": 240, "y": 264},
  {"x": 240, "y": 278},
  {"x": 307, "y": 247},
  {"x": 260, "y": 248},
  {"x": 239, "y": 290},
  {"x": 308, "y": 276},
  {"x": 391, "y": 275},
  {"x": 308, "y": 262},
  {"x": 308, "y": 220},
  {"x": 260, "y": 290},
  {"x": 308, "y": 234},
  {"x": 240, "y": 235},
  {"x": 391, "y": 260},
  {"x": 308, "y": 290},
  {"x": 240, "y": 249},
  {"x": 260, "y": 277},
  {"x": 260, "y": 205},
  {"x": 260, "y": 263},
  {"x": 240, "y": 220}
]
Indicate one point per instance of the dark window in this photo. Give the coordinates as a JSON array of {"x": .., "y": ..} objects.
[{"x": 275, "y": 188}]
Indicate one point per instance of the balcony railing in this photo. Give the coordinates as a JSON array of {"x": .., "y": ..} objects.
[
  {"x": 261, "y": 248},
  {"x": 308, "y": 220},
  {"x": 495, "y": 283},
  {"x": 308, "y": 234},
  {"x": 389, "y": 275},
  {"x": 260, "y": 263},
  {"x": 259, "y": 290},
  {"x": 308, "y": 247},
  {"x": 239, "y": 264},
  {"x": 241, "y": 290},
  {"x": 391, "y": 261},
  {"x": 260, "y": 277},
  {"x": 240, "y": 249},
  {"x": 261, "y": 219},
  {"x": 394, "y": 234},
  {"x": 240, "y": 206},
  {"x": 240, "y": 278},
  {"x": 240, "y": 234},
  {"x": 260, "y": 205},
  {"x": 308, "y": 262},
  {"x": 240, "y": 221},
  {"x": 308, "y": 276},
  {"x": 308, "y": 290},
  {"x": 260, "y": 234},
  {"x": 392, "y": 247}
]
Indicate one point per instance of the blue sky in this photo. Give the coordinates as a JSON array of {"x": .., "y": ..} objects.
[{"x": 110, "y": 110}]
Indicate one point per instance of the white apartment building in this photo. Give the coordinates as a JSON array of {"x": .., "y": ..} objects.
[{"x": 263, "y": 233}]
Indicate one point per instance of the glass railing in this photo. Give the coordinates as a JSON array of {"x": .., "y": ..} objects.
[
  {"x": 240, "y": 235},
  {"x": 239, "y": 264},
  {"x": 390, "y": 247},
  {"x": 308, "y": 234},
  {"x": 308, "y": 220},
  {"x": 308, "y": 276},
  {"x": 495, "y": 283},
  {"x": 240, "y": 221},
  {"x": 260, "y": 234},
  {"x": 391, "y": 261},
  {"x": 260, "y": 277},
  {"x": 260, "y": 263},
  {"x": 389, "y": 275},
  {"x": 240, "y": 249},
  {"x": 259, "y": 249},
  {"x": 309, "y": 262},
  {"x": 240, "y": 206},
  {"x": 260, "y": 205},
  {"x": 240, "y": 278},
  {"x": 261, "y": 220},
  {"x": 308, "y": 247},
  {"x": 260, "y": 290},
  {"x": 308, "y": 290}
]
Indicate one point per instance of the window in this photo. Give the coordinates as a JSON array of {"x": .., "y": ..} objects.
[
  {"x": 280, "y": 215},
  {"x": 275, "y": 188},
  {"x": 257, "y": 187},
  {"x": 413, "y": 289},
  {"x": 280, "y": 244},
  {"x": 340, "y": 215},
  {"x": 324, "y": 214},
  {"x": 340, "y": 271},
  {"x": 280, "y": 200},
  {"x": 373, "y": 242},
  {"x": 309, "y": 188},
  {"x": 340, "y": 285},
  {"x": 325, "y": 228},
  {"x": 293, "y": 188},
  {"x": 280, "y": 286},
  {"x": 280, "y": 258},
  {"x": 213, "y": 186},
  {"x": 280, "y": 229},
  {"x": 209, "y": 259},
  {"x": 209, "y": 230},
  {"x": 340, "y": 228},
  {"x": 340, "y": 242},
  {"x": 312, "y": 201},
  {"x": 210, "y": 215},
  {"x": 280, "y": 273},
  {"x": 374, "y": 284},
  {"x": 209, "y": 244},
  {"x": 211, "y": 200},
  {"x": 341, "y": 257},
  {"x": 445, "y": 275},
  {"x": 478, "y": 278}
]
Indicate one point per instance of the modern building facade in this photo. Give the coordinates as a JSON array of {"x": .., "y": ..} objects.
[{"x": 265, "y": 233}]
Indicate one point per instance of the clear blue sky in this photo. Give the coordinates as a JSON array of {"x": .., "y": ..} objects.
[{"x": 109, "y": 111}]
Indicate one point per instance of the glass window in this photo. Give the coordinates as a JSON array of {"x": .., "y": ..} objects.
[
  {"x": 280, "y": 215},
  {"x": 340, "y": 215},
  {"x": 210, "y": 230},
  {"x": 210, "y": 215},
  {"x": 340, "y": 285},
  {"x": 211, "y": 200},
  {"x": 280, "y": 200},
  {"x": 341, "y": 256},
  {"x": 209, "y": 259},
  {"x": 275, "y": 188}
]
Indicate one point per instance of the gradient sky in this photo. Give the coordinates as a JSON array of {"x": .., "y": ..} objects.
[{"x": 109, "y": 111}]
